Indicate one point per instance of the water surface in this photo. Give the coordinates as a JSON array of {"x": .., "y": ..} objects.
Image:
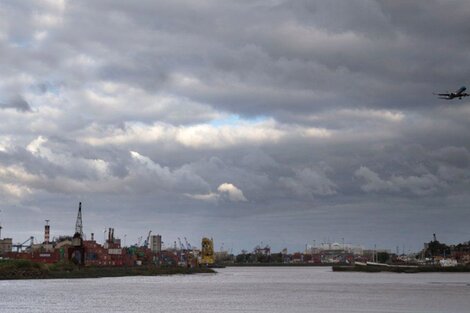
[{"x": 268, "y": 289}]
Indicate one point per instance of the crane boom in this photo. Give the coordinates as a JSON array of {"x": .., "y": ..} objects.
[
  {"x": 188, "y": 245},
  {"x": 147, "y": 241},
  {"x": 21, "y": 245},
  {"x": 181, "y": 244}
]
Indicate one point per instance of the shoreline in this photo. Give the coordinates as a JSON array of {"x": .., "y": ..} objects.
[
  {"x": 15, "y": 270},
  {"x": 401, "y": 269},
  {"x": 278, "y": 265}
]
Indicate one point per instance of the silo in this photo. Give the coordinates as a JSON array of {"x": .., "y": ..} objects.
[{"x": 156, "y": 243}]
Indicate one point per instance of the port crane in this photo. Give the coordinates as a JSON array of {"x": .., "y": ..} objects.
[
  {"x": 20, "y": 246},
  {"x": 147, "y": 241},
  {"x": 182, "y": 257},
  {"x": 188, "y": 245},
  {"x": 181, "y": 244}
]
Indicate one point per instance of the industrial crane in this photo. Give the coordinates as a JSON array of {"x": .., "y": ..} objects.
[
  {"x": 21, "y": 245},
  {"x": 147, "y": 241},
  {"x": 181, "y": 244},
  {"x": 181, "y": 252},
  {"x": 188, "y": 245}
]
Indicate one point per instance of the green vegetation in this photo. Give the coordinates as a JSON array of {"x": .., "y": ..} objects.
[
  {"x": 24, "y": 269},
  {"x": 21, "y": 269}
]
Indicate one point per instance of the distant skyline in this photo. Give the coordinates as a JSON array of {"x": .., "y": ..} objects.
[{"x": 280, "y": 122}]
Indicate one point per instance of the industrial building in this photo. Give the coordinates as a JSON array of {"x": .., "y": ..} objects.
[
  {"x": 156, "y": 243},
  {"x": 84, "y": 252},
  {"x": 207, "y": 251},
  {"x": 6, "y": 245}
]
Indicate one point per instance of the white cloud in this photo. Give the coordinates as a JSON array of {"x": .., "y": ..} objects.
[
  {"x": 370, "y": 114},
  {"x": 231, "y": 192},
  {"x": 225, "y": 192},
  {"x": 204, "y": 136},
  {"x": 210, "y": 197},
  {"x": 15, "y": 191},
  {"x": 35, "y": 145}
]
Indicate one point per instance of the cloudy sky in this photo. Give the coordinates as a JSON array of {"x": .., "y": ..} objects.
[{"x": 281, "y": 122}]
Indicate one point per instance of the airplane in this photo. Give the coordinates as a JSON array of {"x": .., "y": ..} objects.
[{"x": 451, "y": 95}]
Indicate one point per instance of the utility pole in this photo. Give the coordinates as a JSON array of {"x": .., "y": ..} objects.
[{"x": 375, "y": 253}]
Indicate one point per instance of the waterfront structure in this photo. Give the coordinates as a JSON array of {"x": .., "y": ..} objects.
[
  {"x": 156, "y": 243},
  {"x": 335, "y": 246},
  {"x": 47, "y": 246},
  {"x": 207, "y": 251},
  {"x": 77, "y": 251},
  {"x": 84, "y": 252},
  {"x": 262, "y": 251},
  {"x": 6, "y": 245},
  {"x": 435, "y": 252}
]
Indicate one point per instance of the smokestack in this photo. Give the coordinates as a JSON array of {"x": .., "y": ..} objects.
[
  {"x": 109, "y": 234},
  {"x": 46, "y": 232},
  {"x": 92, "y": 237}
]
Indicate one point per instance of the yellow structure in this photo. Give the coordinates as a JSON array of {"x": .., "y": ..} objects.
[{"x": 207, "y": 251}]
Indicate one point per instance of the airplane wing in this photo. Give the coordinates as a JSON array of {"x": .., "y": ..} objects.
[{"x": 445, "y": 96}]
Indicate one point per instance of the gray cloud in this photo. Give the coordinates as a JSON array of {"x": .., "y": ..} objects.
[
  {"x": 18, "y": 103},
  {"x": 317, "y": 113}
]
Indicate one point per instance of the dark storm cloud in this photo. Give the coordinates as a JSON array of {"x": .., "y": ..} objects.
[{"x": 249, "y": 117}]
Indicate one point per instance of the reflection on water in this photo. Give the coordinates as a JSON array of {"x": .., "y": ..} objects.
[{"x": 245, "y": 290}]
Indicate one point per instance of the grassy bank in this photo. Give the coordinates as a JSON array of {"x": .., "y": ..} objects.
[{"x": 24, "y": 269}]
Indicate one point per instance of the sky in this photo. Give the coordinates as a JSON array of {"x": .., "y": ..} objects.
[{"x": 252, "y": 122}]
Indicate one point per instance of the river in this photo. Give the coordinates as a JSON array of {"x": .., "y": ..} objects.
[{"x": 253, "y": 289}]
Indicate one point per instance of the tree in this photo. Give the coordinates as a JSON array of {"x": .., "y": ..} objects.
[{"x": 383, "y": 257}]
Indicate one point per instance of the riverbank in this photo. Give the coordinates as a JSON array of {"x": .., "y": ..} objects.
[
  {"x": 278, "y": 265},
  {"x": 402, "y": 269},
  {"x": 24, "y": 269}
]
